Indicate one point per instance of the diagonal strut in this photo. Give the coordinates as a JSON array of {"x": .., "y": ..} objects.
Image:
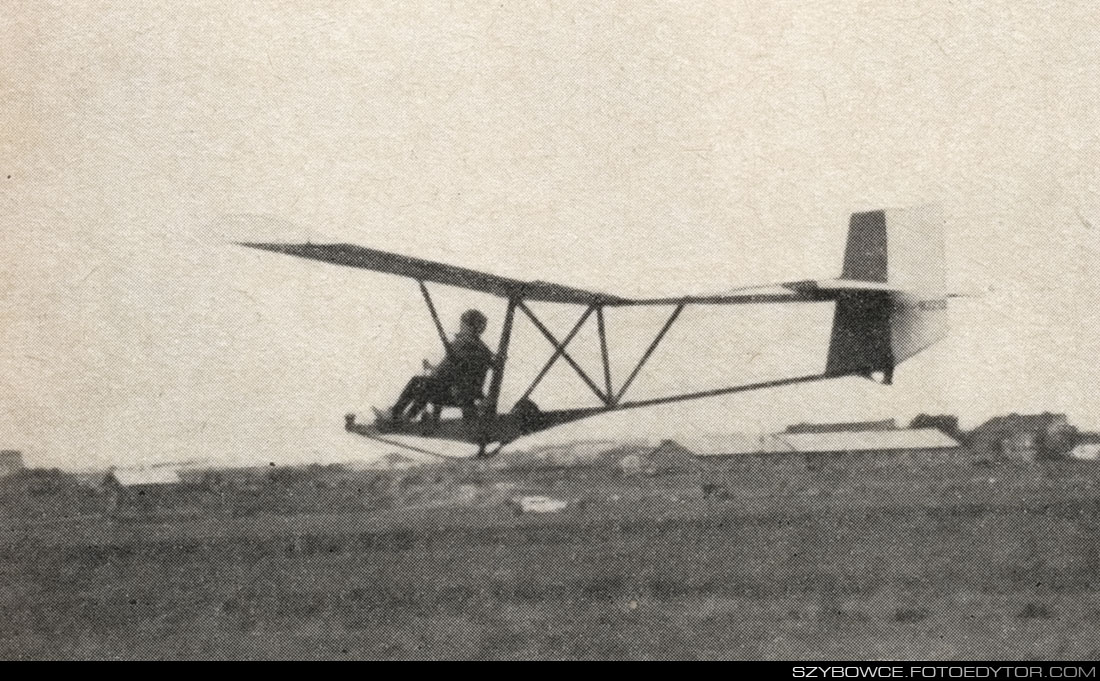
[
  {"x": 560, "y": 349},
  {"x": 435, "y": 317},
  {"x": 648, "y": 352}
]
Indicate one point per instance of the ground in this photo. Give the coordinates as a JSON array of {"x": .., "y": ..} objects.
[{"x": 942, "y": 562}]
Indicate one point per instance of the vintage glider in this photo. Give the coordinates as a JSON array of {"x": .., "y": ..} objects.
[{"x": 890, "y": 303}]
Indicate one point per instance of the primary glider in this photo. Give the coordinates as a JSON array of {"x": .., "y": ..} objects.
[{"x": 890, "y": 303}]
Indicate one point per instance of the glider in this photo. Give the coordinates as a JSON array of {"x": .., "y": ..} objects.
[{"x": 890, "y": 304}]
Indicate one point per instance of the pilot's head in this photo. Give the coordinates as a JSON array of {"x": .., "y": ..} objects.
[{"x": 474, "y": 321}]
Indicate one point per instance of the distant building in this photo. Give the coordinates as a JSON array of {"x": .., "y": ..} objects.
[
  {"x": 11, "y": 461},
  {"x": 862, "y": 445},
  {"x": 746, "y": 448},
  {"x": 885, "y": 424},
  {"x": 1024, "y": 437},
  {"x": 948, "y": 423},
  {"x": 141, "y": 489},
  {"x": 91, "y": 478},
  {"x": 142, "y": 477},
  {"x": 900, "y": 446}
]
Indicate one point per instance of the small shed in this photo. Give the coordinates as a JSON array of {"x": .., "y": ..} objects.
[
  {"x": 142, "y": 489},
  {"x": 142, "y": 477},
  {"x": 1024, "y": 437}
]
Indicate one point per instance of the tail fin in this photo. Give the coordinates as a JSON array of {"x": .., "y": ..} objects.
[{"x": 899, "y": 255}]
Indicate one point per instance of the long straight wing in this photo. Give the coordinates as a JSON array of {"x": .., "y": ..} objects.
[
  {"x": 452, "y": 275},
  {"x": 440, "y": 273}
]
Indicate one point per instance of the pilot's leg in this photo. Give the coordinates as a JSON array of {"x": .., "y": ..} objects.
[
  {"x": 431, "y": 391},
  {"x": 414, "y": 394},
  {"x": 469, "y": 410}
]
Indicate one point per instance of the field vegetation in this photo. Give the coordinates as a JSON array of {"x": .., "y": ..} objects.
[{"x": 986, "y": 560}]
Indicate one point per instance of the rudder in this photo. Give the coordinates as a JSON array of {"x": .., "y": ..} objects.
[{"x": 901, "y": 251}]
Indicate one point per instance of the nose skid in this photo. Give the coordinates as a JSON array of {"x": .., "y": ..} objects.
[{"x": 500, "y": 429}]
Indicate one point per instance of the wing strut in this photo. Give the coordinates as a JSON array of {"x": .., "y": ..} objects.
[
  {"x": 603, "y": 351},
  {"x": 435, "y": 317},
  {"x": 501, "y": 358},
  {"x": 560, "y": 350},
  {"x": 649, "y": 351}
]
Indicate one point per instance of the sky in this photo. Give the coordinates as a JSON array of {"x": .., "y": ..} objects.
[{"x": 632, "y": 147}]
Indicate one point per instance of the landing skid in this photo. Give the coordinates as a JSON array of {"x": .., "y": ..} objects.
[
  {"x": 403, "y": 445},
  {"x": 373, "y": 433}
]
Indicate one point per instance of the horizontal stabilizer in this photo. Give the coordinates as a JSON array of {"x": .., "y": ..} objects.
[{"x": 851, "y": 285}]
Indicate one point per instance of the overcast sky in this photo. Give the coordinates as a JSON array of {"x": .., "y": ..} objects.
[{"x": 628, "y": 147}]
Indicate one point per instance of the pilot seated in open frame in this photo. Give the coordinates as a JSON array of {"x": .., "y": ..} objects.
[{"x": 456, "y": 381}]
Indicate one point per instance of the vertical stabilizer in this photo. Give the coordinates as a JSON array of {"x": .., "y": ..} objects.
[{"x": 899, "y": 255}]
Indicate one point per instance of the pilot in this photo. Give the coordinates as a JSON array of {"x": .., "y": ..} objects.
[{"x": 457, "y": 380}]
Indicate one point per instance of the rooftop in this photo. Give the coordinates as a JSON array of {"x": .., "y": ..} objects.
[
  {"x": 870, "y": 440},
  {"x": 732, "y": 444},
  {"x": 885, "y": 424},
  {"x": 1021, "y": 422},
  {"x": 129, "y": 477}
]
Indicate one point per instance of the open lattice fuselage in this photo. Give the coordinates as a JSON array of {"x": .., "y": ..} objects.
[{"x": 888, "y": 304}]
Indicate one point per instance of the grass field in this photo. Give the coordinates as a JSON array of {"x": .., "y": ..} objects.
[{"x": 936, "y": 562}]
